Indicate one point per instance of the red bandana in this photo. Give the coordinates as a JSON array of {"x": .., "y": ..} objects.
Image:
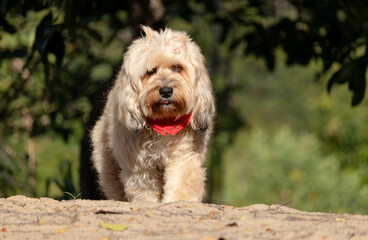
[{"x": 171, "y": 126}]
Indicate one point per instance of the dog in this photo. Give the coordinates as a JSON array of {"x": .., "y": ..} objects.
[{"x": 151, "y": 140}]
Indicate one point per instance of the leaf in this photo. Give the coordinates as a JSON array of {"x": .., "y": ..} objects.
[
  {"x": 135, "y": 209},
  {"x": 61, "y": 230},
  {"x": 112, "y": 226},
  {"x": 56, "y": 45},
  {"x": 342, "y": 75},
  {"x": 354, "y": 72},
  {"x": 209, "y": 216},
  {"x": 358, "y": 93},
  {"x": 357, "y": 83},
  {"x": 43, "y": 30},
  {"x": 72, "y": 196}
]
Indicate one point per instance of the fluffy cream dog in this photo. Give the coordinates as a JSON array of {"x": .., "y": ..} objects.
[{"x": 150, "y": 142}]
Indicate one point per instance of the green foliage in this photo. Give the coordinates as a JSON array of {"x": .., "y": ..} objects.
[
  {"x": 278, "y": 135},
  {"x": 54, "y": 157},
  {"x": 64, "y": 182},
  {"x": 16, "y": 177},
  {"x": 284, "y": 166},
  {"x": 73, "y": 196},
  {"x": 334, "y": 32},
  {"x": 46, "y": 60},
  {"x": 301, "y": 145}
]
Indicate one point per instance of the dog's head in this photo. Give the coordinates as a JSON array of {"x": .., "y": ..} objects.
[{"x": 163, "y": 76}]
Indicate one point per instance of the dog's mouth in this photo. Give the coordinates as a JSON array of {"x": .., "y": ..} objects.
[
  {"x": 166, "y": 108},
  {"x": 165, "y": 102}
]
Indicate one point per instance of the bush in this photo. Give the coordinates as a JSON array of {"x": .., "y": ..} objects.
[
  {"x": 16, "y": 169},
  {"x": 285, "y": 166}
]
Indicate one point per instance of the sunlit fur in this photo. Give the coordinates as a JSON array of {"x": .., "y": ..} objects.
[{"x": 135, "y": 163}]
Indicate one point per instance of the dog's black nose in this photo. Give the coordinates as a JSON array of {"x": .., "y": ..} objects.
[{"x": 166, "y": 92}]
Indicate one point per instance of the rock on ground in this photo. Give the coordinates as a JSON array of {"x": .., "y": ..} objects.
[{"x": 45, "y": 218}]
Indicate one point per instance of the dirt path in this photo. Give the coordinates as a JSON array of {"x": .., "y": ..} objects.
[{"x": 45, "y": 218}]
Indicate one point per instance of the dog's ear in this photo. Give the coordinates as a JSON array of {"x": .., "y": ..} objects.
[
  {"x": 129, "y": 82},
  {"x": 204, "y": 111},
  {"x": 128, "y": 112}
]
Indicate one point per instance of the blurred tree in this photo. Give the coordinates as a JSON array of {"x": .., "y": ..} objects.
[
  {"x": 71, "y": 38},
  {"x": 334, "y": 32},
  {"x": 68, "y": 33}
]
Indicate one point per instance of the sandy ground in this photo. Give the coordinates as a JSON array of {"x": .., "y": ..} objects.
[{"x": 45, "y": 218}]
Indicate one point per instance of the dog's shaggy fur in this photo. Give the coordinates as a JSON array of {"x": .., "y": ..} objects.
[{"x": 133, "y": 162}]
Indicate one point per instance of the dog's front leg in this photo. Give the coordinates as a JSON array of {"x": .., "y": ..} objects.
[
  {"x": 141, "y": 186},
  {"x": 184, "y": 179}
]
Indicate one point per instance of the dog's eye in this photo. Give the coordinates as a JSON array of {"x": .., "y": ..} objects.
[
  {"x": 177, "y": 68},
  {"x": 152, "y": 71}
]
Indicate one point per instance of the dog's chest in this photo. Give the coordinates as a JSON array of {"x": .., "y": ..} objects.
[{"x": 155, "y": 151}]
